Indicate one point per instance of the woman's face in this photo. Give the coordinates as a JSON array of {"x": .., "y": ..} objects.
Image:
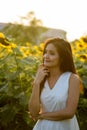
[{"x": 51, "y": 56}]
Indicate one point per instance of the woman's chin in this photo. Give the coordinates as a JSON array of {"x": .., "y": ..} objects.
[{"x": 46, "y": 64}]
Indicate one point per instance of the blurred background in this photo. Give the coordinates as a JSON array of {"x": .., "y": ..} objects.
[{"x": 24, "y": 26}]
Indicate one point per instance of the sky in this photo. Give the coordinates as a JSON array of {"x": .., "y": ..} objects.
[{"x": 68, "y": 15}]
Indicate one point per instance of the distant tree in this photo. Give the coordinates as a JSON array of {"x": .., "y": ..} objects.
[
  {"x": 30, "y": 19},
  {"x": 34, "y": 23}
]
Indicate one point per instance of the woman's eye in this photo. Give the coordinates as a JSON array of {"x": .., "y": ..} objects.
[
  {"x": 49, "y": 52},
  {"x": 52, "y": 53},
  {"x": 45, "y": 52}
]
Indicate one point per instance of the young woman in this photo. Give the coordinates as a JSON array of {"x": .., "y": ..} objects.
[{"x": 56, "y": 89}]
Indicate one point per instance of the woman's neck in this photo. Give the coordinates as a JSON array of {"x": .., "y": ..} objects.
[{"x": 54, "y": 72}]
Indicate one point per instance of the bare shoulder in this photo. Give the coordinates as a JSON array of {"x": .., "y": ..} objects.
[
  {"x": 75, "y": 77},
  {"x": 74, "y": 80}
]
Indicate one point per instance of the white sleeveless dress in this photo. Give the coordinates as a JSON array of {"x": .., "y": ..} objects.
[{"x": 55, "y": 99}]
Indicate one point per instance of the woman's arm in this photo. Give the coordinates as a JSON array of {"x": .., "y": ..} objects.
[
  {"x": 34, "y": 102},
  {"x": 72, "y": 102}
]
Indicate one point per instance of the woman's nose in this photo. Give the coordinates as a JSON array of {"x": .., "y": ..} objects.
[{"x": 46, "y": 55}]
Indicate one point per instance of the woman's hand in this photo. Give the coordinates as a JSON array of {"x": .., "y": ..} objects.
[
  {"x": 44, "y": 115},
  {"x": 41, "y": 116},
  {"x": 41, "y": 74}
]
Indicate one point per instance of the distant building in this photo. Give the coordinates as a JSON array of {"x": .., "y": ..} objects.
[
  {"x": 51, "y": 33},
  {"x": 2, "y": 25}
]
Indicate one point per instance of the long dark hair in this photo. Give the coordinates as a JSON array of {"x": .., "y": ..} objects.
[{"x": 65, "y": 53}]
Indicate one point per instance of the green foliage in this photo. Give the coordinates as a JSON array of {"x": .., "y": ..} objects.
[
  {"x": 21, "y": 34},
  {"x": 16, "y": 76}
]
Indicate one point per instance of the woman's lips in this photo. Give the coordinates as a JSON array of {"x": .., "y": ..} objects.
[{"x": 47, "y": 60}]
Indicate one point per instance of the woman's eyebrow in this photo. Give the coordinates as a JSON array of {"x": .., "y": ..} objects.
[{"x": 49, "y": 50}]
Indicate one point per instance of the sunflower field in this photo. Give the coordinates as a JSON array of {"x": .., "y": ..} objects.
[{"x": 18, "y": 65}]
